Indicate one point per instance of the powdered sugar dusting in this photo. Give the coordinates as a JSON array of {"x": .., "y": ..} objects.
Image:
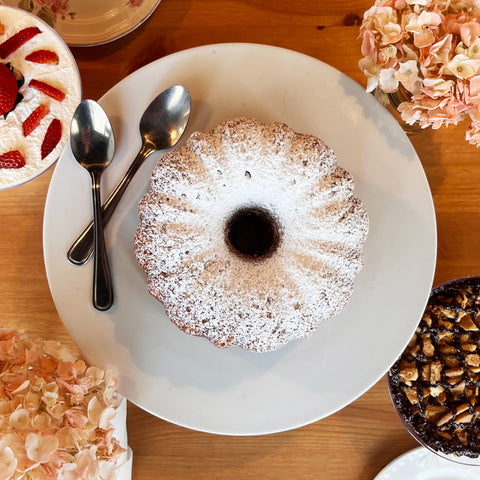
[{"x": 209, "y": 291}]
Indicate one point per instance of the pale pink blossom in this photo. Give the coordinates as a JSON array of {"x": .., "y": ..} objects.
[
  {"x": 473, "y": 134},
  {"x": 20, "y": 419},
  {"x": 473, "y": 51},
  {"x": 42, "y": 421},
  {"x": 408, "y": 53},
  {"x": 453, "y": 22},
  {"x": 45, "y": 430},
  {"x": 391, "y": 33},
  {"x": 407, "y": 75},
  {"x": 86, "y": 465},
  {"x": 8, "y": 463},
  {"x": 436, "y": 58},
  {"x": 474, "y": 90},
  {"x": 75, "y": 418},
  {"x": 469, "y": 32},
  {"x": 464, "y": 5},
  {"x": 440, "y": 51},
  {"x": 369, "y": 48},
  {"x": 438, "y": 87},
  {"x": 475, "y": 115},
  {"x": 423, "y": 27},
  {"x": 40, "y": 449},
  {"x": 387, "y": 80},
  {"x": 96, "y": 374},
  {"x": 371, "y": 70},
  {"x": 463, "y": 67},
  {"x": 106, "y": 417}
]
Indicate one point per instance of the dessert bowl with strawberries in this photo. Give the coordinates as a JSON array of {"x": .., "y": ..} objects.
[{"x": 40, "y": 88}]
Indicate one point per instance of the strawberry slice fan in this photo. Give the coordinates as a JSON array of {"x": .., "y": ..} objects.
[{"x": 10, "y": 82}]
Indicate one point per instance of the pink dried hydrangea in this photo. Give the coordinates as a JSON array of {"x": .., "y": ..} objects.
[
  {"x": 430, "y": 50},
  {"x": 55, "y": 413}
]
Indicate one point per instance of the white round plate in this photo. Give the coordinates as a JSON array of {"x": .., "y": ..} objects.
[
  {"x": 185, "y": 379},
  {"x": 90, "y": 22},
  {"x": 422, "y": 464}
]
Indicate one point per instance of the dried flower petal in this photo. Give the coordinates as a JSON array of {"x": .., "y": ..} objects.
[
  {"x": 106, "y": 417},
  {"x": 388, "y": 80},
  {"x": 430, "y": 48},
  {"x": 8, "y": 464},
  {"x": 463, "y": 67},
  {"x": 40, "y": 449},
  {"x": 19, "y": 419},
  {"x": 55, "y": 413}
]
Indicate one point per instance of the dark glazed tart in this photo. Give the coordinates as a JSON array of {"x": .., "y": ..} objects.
[{"x": 435, "y": 384}]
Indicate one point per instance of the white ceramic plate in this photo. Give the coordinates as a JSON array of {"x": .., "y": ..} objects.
[
  {"x": 185, "y": 379},
  {"x": 90, "y": 22},
  {"x": 422, "y": 464}
]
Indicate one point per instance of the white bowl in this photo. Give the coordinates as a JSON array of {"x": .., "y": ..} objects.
[{"x": 64, "y": 76}]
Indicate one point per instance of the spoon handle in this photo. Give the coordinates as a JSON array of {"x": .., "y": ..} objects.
[
  {"x": 82, "y": 248},
  {"x": 102, "y": 280}
]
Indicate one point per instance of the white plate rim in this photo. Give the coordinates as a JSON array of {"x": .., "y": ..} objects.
[
  {"x": 169, "y": 67},
  {"x": 422, "y": 464}
]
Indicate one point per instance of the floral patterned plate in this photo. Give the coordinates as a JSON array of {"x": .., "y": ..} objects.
[{"x": 89, "y": 22}]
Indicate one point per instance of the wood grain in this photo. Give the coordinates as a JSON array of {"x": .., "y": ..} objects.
[{"x": 353, "y": 444}]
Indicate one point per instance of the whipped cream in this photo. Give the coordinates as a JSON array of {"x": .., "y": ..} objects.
[{"x": 64, "y": 76}]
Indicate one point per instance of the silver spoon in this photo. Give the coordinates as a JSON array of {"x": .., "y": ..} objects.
[
  {"x": 161, "y": 126},
  {"x": 93, "y": 146}
]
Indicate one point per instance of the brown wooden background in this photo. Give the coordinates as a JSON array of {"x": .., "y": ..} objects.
[{"x": 355, "y": 443}]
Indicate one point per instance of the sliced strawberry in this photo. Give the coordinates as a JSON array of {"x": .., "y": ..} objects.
[
  {"x": 52, "y": 137},
  {"x": 47, "y": 89},
  {"x": 8, "y": 89},
  {"x": 17, "y": 40},
  {"x": 12, "y": 159},
  {"x": 43, "y": 56},
  {"x": 34, "y": 119}
]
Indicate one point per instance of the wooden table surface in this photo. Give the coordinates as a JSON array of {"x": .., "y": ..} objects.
[{"x": 358, "y": 441}]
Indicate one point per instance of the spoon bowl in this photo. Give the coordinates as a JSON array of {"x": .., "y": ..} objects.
[
  {"x": 161, "y": 126},
  {"x": 93, "y": 146},
  {"x": 166, "y": 118}
]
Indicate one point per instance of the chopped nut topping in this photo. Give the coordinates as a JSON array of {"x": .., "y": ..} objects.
[
  {"x": 435, "y": 384},
  {"x": 428, "y": 348},
  {"x": 436, "y": 391},
  {"x": 408, "y": 372},
  {"x": 435, "y": 372},
  {"x": 412, "y": 395},
  {"x": 434, "y": 411},
  {"x": 473, "y": 360},
  {"x": 446, "y": 418},
  {"x": 466, "y": 322},
  {"x": 464, "y": 418},
  {"x": 454, "y": 372}
]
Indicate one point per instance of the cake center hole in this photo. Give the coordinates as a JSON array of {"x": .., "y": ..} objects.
[{"x": 253, "y": 232}]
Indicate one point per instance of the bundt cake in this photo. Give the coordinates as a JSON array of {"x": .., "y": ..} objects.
[{"x": 250, "y": 234}]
